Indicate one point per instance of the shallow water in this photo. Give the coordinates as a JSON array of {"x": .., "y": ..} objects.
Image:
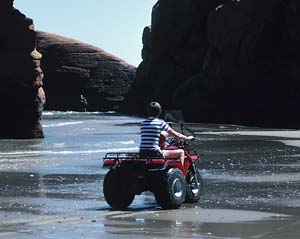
[{"x": 52, "y": 188}]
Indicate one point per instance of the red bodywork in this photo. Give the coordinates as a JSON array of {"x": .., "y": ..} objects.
[{"x": 115, "y": 159}]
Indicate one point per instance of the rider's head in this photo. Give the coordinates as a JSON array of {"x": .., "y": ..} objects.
[{"x": 154, "y": 109}]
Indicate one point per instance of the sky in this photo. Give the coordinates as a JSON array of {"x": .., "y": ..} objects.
[{"x": 115, "y": 26}]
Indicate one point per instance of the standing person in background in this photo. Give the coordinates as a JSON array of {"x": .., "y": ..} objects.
[
  {"x": 151, "y": 129},
  {"x": 83, "y": 103}
]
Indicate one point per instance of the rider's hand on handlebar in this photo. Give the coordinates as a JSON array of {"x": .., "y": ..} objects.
[{"x": 190, "y": 137}]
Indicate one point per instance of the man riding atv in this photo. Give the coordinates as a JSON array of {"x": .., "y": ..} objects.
[
  {"x": 151, "y": 129},
  {"x": 169, "y": 171}
]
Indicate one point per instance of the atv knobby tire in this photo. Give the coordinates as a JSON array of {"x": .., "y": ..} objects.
[
  {"x": 194, "y": 188},
  {"x": 171, "y": 192},
  {"x": 116, "y": 190}
]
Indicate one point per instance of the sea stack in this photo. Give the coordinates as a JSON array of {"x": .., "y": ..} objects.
[
  {"x": 22, "y": 97},
  {"x": 222, "y": 61},
  {"x": 73, "y": 68}
]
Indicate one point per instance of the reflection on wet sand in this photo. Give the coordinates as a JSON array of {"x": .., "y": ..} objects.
[{"x": 193, "y": 222}]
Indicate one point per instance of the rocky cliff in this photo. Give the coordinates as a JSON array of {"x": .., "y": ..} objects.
[
  {"x": 72, "y": 68},
  {"x": 21, "y": 94},
  {"x": 222, "y": 61}
]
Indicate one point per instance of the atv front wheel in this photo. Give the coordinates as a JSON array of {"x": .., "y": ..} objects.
[
  {"x": 116, "y": 190},
  {"x": 171, "y": 192},
  {"x": 194, "y": 186}
]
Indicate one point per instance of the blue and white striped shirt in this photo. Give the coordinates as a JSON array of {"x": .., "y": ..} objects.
[{"x": 150, "y": 133}]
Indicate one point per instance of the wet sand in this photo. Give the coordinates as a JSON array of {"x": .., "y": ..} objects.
[
  {"x": 148, "y": 221},
  {"x": 251, "y": 191}
]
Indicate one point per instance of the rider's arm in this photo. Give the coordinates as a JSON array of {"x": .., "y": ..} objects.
[{"x": 177, "y": 135}]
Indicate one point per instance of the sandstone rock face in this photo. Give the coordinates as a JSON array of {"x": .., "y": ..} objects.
[
  {"x": 21, "y": 94},
  {"x": 72, "y": 68},
  {"x": 234, "y": 61}
]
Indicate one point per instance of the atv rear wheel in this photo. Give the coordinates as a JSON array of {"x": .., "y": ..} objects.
[
  {"x": 194, "y": 186},
  {"x": 171, "y": 192},
  {"x": 116, "y": 190}
]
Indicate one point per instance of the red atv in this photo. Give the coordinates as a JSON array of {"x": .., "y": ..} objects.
[{"x": 171, "y": 183}]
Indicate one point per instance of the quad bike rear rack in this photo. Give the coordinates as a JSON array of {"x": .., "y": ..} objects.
[{"x": 156, "y": 163}]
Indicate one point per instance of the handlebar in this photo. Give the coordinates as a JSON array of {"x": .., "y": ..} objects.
[
  {"x": 177, "y": 142},
  {"x": 182, "y": 145}
]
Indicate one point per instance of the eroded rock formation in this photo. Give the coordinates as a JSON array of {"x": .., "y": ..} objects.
[
  {"x": 72, "y": 68},
  {"x": 223, "y": 61},
  {"x": 21, "y": 94}
]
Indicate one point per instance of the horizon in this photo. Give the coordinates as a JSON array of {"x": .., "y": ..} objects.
[{"x": 116, "y": 30}]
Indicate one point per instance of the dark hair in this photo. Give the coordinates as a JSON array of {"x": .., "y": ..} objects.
[{"x": 154, "y": 109}]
